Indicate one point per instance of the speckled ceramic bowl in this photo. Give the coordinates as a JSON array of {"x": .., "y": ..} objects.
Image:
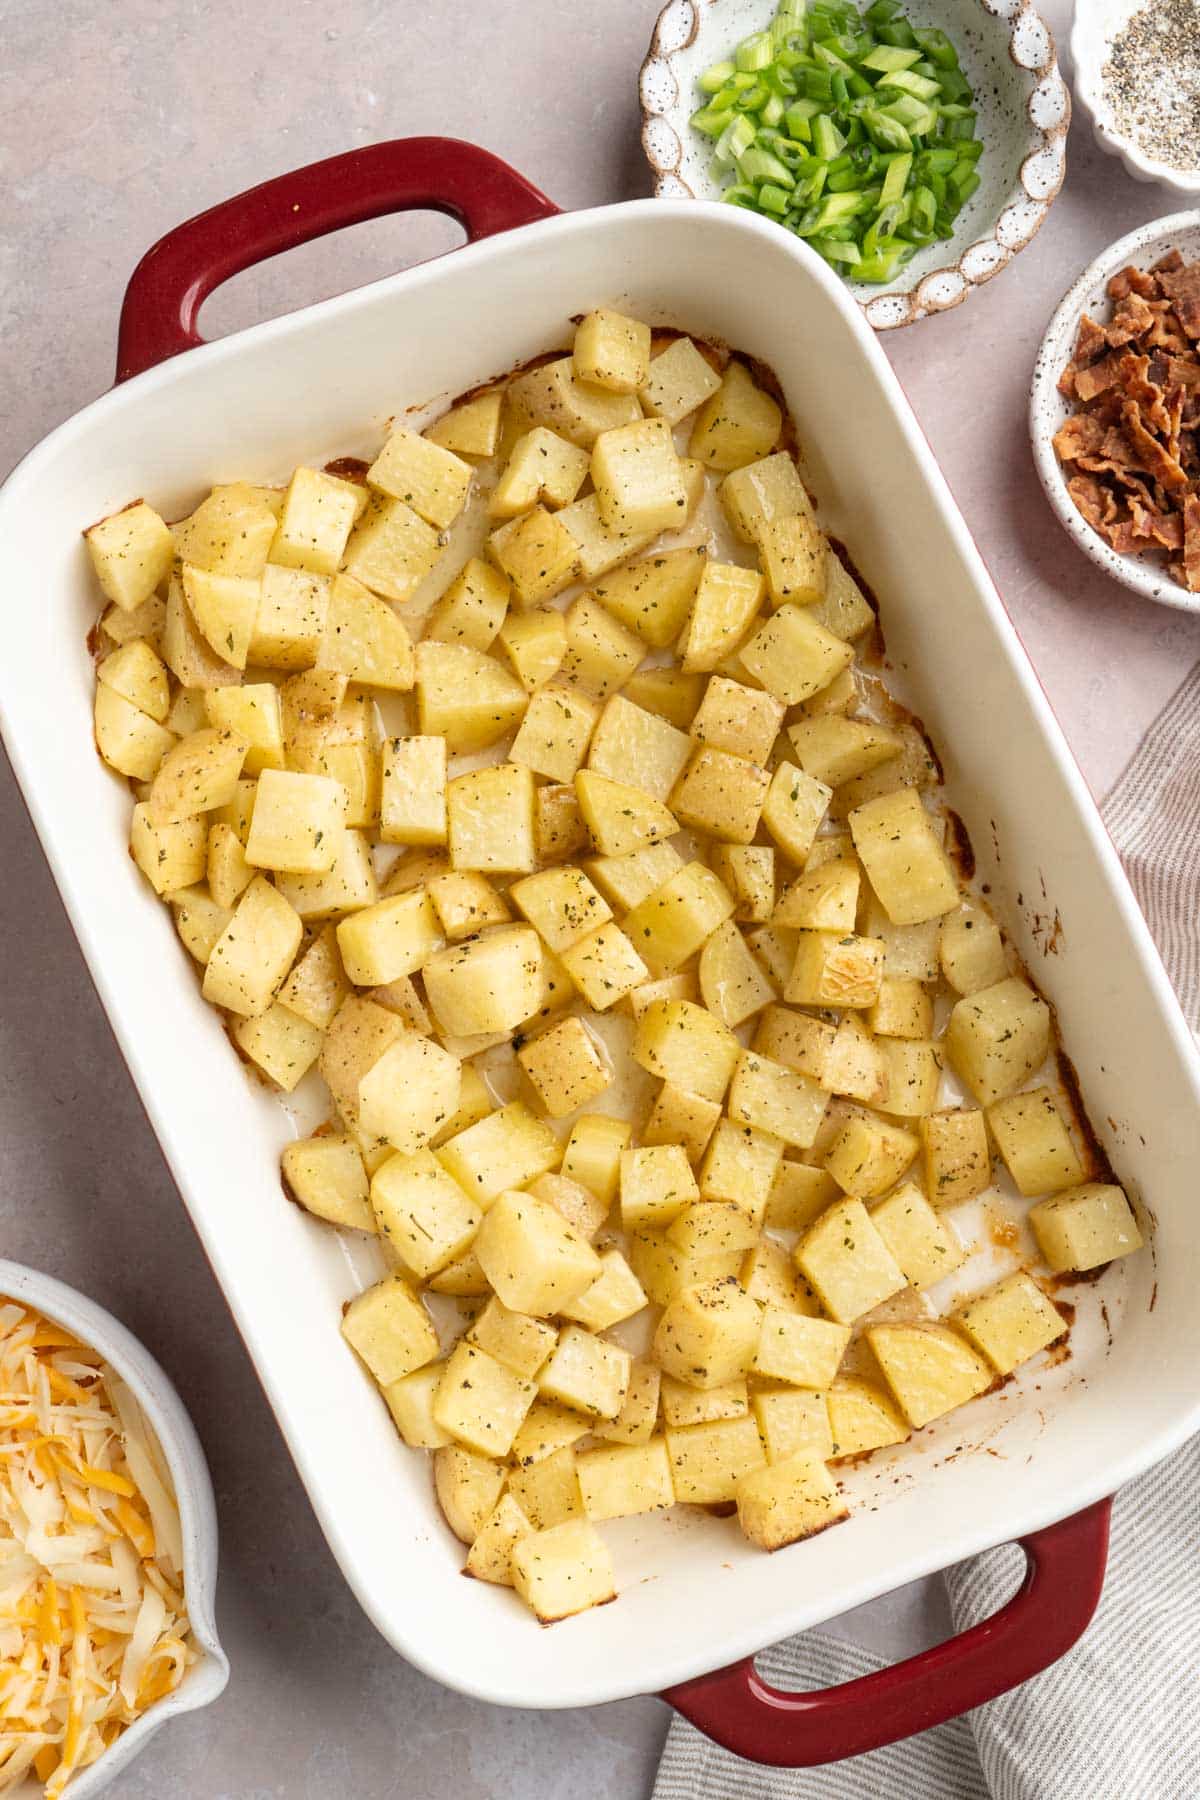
[
  {"x": 1024, "y": 109},
  {"x": 1048, "y": 409},
  {"x": 205, "y": 1680},
  {"x": 1093, "y": 28}
]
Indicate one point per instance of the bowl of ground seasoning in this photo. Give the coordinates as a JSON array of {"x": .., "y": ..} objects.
[{"x": 1137, "y": 75}]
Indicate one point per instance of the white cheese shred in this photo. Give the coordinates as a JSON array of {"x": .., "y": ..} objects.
[{"x": 93, "y": 1625}]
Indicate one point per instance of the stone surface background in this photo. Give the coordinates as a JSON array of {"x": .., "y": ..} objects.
[{"x": 119, "y": 120}]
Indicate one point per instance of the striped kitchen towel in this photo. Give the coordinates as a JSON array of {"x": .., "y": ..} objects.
[{"x": 1119, "y": 1717}]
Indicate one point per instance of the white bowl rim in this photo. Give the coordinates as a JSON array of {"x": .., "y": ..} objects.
[
  {"x": 1025, "y": 209},
  {"x": 181, "y": 1447},
  {"x": 1144, "y": 578},
  {"x": 1113, "y": 142}
]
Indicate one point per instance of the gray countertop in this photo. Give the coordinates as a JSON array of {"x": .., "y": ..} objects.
[{"x": 119, "y": 121}]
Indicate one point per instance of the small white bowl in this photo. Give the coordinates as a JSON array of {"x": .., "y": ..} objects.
[
  {"x": 1048, "y": 409},
  {"x": 1024, "y": 109},
  {"x": 1093, "y": 28},
  {"x": 207, "y": 1677}
]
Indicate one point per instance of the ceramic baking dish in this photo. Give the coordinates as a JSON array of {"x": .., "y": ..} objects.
[{"x": 322, "y": 382}]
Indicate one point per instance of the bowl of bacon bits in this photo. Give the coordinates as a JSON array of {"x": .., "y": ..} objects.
[
  {"x": 1115, "y": 411},
  {"x": 107, "y": 1546}
]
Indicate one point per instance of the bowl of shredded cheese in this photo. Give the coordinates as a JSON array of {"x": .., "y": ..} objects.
[{"x": 108, "y": 1546}]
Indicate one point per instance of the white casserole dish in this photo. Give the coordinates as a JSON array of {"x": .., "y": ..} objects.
[{"x": 322, "y": 382}]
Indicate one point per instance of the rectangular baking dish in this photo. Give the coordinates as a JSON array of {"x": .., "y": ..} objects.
[{"x": 323, "y": 382}]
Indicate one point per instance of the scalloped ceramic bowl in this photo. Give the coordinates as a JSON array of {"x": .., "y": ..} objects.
[
  {"x": 1093, "y": 28},
  {"x": 205, "y": 1680},
  {"x": 1024, "y": 107},
  {"x": 1048, "y": 410}
]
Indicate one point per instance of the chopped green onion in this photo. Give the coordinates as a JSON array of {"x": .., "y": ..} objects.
[
  {"x": 735, "y": 140},
  {"x": 774, "y": 199},
  {"x": 754, "y": 53},
  {"x": 895, "y": 179},
  {"x": 714, "y": 78},
  {"x": 827, "y": 139}
]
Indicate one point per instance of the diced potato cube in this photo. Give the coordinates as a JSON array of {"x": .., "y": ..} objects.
[
  {"x": 791, "y": 1500},
  {"x": 326, "y": 1175},
  {"x": 406, "y": 1096},
  {"x": 430, "y": 479},
  {"x": 615, "y": 1294},
  {"x": 535, "y": 644},
  {"x": 748, "y": 871},
  {"x": 635, "y": 1422},
  {"x": 621, "y": 819},
  {"x": 799, "y": 1194},
  {"x": 349, "y": 884},
  {"x": 631, "y": 1478},
  {"x": 587, "y": 1373},
  {"x": 914, "y": 1076},
  {"x": 254, "y": 953},
  {"x": 391, "y": 549},
  {"x": 835, "y": 749},
  {"x": 547, "y": 1490},
  {"x": 721, "y": 794},
  {"x": 554, "y": 734},
  {"x": 229, "y": 874},
  {"x": 390, "y": 1329},
  {"x": 489, "y": 816},
  {"x": 199, "y": 921},
  {"x": 1033, "y": 1138},
  {"x": 537, "y": 553},
  {"x": 761, "y": 492},
  {"x": 317, "y": 984},
  {"x": 796, "y": 1040},
  {"x": 355, "y": 1040},
  {"x": 413, "y": 791},
  {"x": 708, "y": 1461},
  {"x": 601, "y": 654},
  {"x": 671, "y": 693},
  {"x": 424, "y": 1215},
  {"x": 740, "y": 1165},
  {"x": 678, "y": 380},
  {"x": 711, "y": 1227},
  {"x": 737, "y": 424},
  {"x": 465, "y": 903},
  {"x": 904, "y": 1008},
  {"x": 845, "y": 610},
  {"x": 364, "y": 639},
  {"x": 971, "y": 951},
  {"x": 137, "y": 674},
  {"x": 772, "y": 1098},
  {"x": 914, "y": 765},
  {"x": 289, "y": 626},
  {"x": 566, "y": 1067},
  {"x": 835, "y": 970},
  {"x": 472, "y": 428},
  {"x": 394, "y": 937},
  {"x": 253, "y": 714},
  {"x": 283, "y": 1046},
  {"x": 908, "y": 950},
  {"x": 504, "y": 1150},
  {"x": 742, "y": 720},
  {"x": 637, "y": 477},
  {"x": 563, "y": 1570},
  {"x": 922, "y": 1244},
  {"x": 577, "y": 1204},
  {"x": 769, "y": 1276},
  {"x": 186, "y": 651},
  {"x": 230, "y": 532},
  {"x": 653, "y": 598},
  {"x": 673, "y": 923},
  {"x": 792, "y": 1420},
  {"x": 906, "y": 865},
  {"x": 490, "y": 1556},
  {"x": 410, "y": 1402},
  {"x": 542, "y": 468},
  {"x": 144, "y": 621},
  {"x": 775, "y": 950},
  {"x": 467, "y": 1486},
  {"x": 847, "y": 1262},
  {"x": 558, "y": 827},
  {"x": 1085, "y": 1226},
  {"x": 562, "y": 905},
  {"x": 534, "y": 1260},
  {"x": 683, "y": 1043},
  {"x": 793, "y": 656},
  {"x": 628, "y": 880},
  {"x": 472, "y": 609},
  {"x": 491, "y": 983},
  {"x": 593, "y": 1154},
  {"x": 464, "y": 1279},
  {"x": 131, "y": 742},
  {"x": 859, "y": 1068},
  {"x": 553, "y": 395},
  {"x": 318, "y": 512},
  {"x": 862, "y": 1417},
  {"x": 170, "y": 856},
  {"x": 297, "y": 823},
  {"x": 665, "y": 1271},
  {"x": 708, "y": 1334},
  {"x": 131, "y": 552},
  {"x": 514, "y": 1339},
  {"x": 465, "y": 696},
  {"x": 612, "y": 351},
  {"x": 867, "y": 1155},
  {"x": 631, "y": 746},
  {"x": 656, "y": 1184},
  {"x": 480, "y": 1402},
  {"x": 604, "y": 966},
  {"x": 930, "y": 1369},
  {"x": 197, "y": 775},
  {"x": 997, "y": 1037},
  {"x": 732, "y": 983},
  {"x": 822, "y": 899},
  {"x": 727, "y": 601},
  {"x": 803, "y": 1351},
  {"x": 794, "y": 807},
  {"x": 794, "y": 554},
  {"x": 1011, "y": 1322},
  {"x": 598, "y": 547}
]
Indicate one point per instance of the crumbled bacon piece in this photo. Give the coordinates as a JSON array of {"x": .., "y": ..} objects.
[{"x": 1130, "y": 449}]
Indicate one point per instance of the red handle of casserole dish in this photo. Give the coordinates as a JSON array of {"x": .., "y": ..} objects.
[
  {"x": 1049, "y": 1612},
  {"x": 176, "y": 276}
]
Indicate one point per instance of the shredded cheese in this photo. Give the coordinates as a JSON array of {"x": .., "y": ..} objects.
[{"x": 93, "y": 1624}]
